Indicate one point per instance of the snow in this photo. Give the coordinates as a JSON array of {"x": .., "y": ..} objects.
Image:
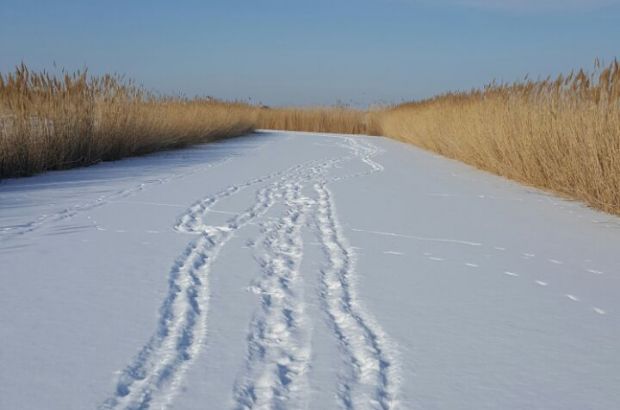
[{"x": 297, "y": 270}]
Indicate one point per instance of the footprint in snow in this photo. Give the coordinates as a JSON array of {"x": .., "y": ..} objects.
[
  {"x": 510, "y": 273},
  {"x": 471, "y": 265},
  {"x": 393, "y": 253},
  {"x": 572, "y": 297}
]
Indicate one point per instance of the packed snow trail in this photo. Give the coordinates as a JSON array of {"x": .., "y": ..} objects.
[
  {"x": 295, "y": 270},
  {"x": 368, "y": 382},
  {"x": 278, "y": 342},
  {"x": 153, "y": 378}
]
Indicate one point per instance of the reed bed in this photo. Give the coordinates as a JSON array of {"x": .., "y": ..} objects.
[
  {"x": 559, "y": 134},
  {"x": 340, "y": 120},
  {"x": 54, "y": 122}
]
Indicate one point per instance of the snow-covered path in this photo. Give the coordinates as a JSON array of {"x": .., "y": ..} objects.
[{"x": 293, "y": 270}]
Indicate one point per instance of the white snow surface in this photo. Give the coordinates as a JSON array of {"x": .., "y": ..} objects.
[{"x": 303, "y": 271}]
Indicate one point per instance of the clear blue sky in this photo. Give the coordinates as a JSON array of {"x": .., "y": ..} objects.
[{"x": 311, "y": 52}]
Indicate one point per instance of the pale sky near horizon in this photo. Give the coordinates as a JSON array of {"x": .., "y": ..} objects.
[{"x": 311, "y": 52}]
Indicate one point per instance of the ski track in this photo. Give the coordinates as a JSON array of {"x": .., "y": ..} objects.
[{"x": 274, "y": 374}]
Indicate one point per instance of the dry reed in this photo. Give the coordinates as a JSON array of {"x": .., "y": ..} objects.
[
  {"x": 339, "y": 120},
  {"x": 50, "y": 122},
  {"x": 559, "y": 134}
]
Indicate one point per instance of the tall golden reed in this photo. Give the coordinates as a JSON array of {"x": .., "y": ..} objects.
[
  {"x": 50, "y": 122},
  {"x": 340, "y": 120},
  {"x": 559, "y": 134}
]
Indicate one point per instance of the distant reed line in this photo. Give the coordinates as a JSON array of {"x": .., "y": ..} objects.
[{"x": 560, "y": 134}]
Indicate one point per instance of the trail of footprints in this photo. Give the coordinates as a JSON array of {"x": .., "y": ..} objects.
[
  {"x": 275, "y": 372},
  {"x": 368, "y": 381},
  {"x": 70, "y": 212},
  {"x": 538, "y": 282},
  {"x": 278, "y": 355}
]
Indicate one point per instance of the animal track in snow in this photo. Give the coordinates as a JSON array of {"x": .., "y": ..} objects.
[
  {"x": 472, "y": 265},
  {"x": 510, "y": 273},
  {"x": 419, "y": 238},
  {"x": 599, "y": 311}
]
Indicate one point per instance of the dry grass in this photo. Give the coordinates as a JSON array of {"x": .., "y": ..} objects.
[
  {"x": 339, "y": 120},
  {"x": 559, "y": 134},
  {"x": 562, "y": 135},
  {"x": 48, "y": 122}
]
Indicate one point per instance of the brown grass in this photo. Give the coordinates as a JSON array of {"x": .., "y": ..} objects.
[
  {"x": 559, "y": 134},
  {"x": 47, "y": 122},
  {"x": 339, "y": 120},
  {"x": 562, "y": 135}
]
